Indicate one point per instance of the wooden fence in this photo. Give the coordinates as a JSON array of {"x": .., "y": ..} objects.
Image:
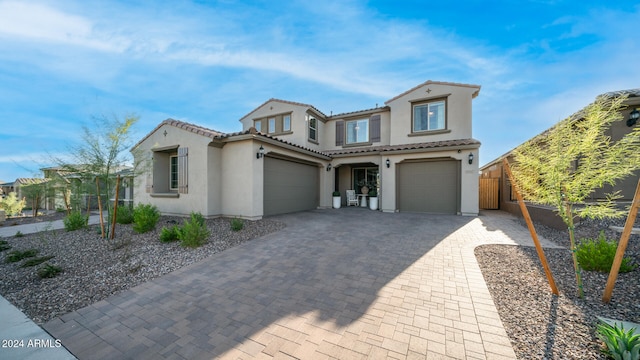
[{"x": 489, "y": 194}]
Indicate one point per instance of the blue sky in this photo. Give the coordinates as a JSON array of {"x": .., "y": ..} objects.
[{"x": 62, "y": 63}]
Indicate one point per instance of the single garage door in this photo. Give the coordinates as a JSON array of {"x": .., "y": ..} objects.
[
  {"x": 429, "y": 186},
  {"x": 289, "y": 186}
]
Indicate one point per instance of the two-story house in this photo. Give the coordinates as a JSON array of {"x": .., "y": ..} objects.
[{"x": 416, "y": 151}]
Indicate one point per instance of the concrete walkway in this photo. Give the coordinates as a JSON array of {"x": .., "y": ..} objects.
[
  {"x": 8, "y": 231},
  {"x": 335, "y": 284}
]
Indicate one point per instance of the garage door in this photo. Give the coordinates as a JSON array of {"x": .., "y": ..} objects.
[
  {"x": 429, "y": 186},
  {"x": 289, "y": 186}
]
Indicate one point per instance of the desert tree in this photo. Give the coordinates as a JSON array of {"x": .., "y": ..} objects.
[
  {"x": 102, "y": 152},
  {"x": 36, "y": 192},
  {"x": 563, "y": 166}
]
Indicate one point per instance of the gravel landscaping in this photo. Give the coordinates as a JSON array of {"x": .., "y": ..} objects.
[
  {"x": 542, "y": 325},
  {"x": 94, "y": 268}
]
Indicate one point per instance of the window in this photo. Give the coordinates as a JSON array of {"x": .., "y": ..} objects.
[
  {"x": 173, "y": 173},
  {"x": 286, "y": 123},
  {"x": 272, "y": 125},
  {"x": 358, "y": 131},
  {"x": 258, "y": 125},
  {"x": 313, "y": 128},
  {"x": 429, "y": 116}
]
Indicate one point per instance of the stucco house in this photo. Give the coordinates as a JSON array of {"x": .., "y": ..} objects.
[
  {"x": 417, "y": 151},
  {"x": 496, "y": 191}
]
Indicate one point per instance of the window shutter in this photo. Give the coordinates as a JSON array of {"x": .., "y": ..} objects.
[
  {"x": 339, "y": 133},
  {"x": 375, "y": 128},
  {"x": 149, "y": 182},
  {"x": 183, "y": 157}
]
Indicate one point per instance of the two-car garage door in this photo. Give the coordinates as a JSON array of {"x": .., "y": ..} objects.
[
  {"x": 429, "y": 186},
  {"x": 289, "y": 186}
]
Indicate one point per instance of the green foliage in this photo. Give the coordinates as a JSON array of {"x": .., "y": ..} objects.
[
  {"x": 36, "y": 261},
  {"x": 237, "y": 224},
  {"x": 11, "y": 205},
  {"x": 373, "y": 193},
  {"x": 336, "y": 193},
  {"x": 19, "y": 234},
  {"x": 598, "y": 254},
  {"x": 49, "y": 271},
  {"x": 169, "y": 234},
  {"x": 18, "y": 255},
  {"x": 75, "y": 221},
  {"x": 36, "y": 192},
  {"x": 145, "y": 218},
  {"x": 621, "y": 344},
  {"x": 124, "y": 215},
  {"x": 193, "y": 232},
  {"x": 4, "y": 245}
]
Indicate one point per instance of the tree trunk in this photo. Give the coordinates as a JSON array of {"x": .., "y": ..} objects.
[{"x": 574, "y": 255}]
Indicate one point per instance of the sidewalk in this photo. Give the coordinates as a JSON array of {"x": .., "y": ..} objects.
[{"x": 8, "y": 231}]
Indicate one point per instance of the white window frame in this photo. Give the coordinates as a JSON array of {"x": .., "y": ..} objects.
[
  {"x": 286, "y": 122},
  {"x": 258, "y": 125},
  {"x": 271, "y": 123},
  {"x": 365, "y": 132},
  {"x": 428, "y": 106},
  {"x": 173, "y": 172},
  {"x": 313, "y": 119}
]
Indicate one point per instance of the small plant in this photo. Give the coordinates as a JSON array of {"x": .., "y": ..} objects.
[
  {"x": 598, "y": 254},
  {"x": 49, "y": 271},
  {"x": 145, "y": 218},
  {"x": 18, "y": 234},
  {"x": 124, "y": 215},
  {"x": 169, "y": 234},
  {"x": 621, "y": 344},
  {"x": 75, "y": 221},
  {"x": 18, "y": 255},
  {"x": 237, "y": 224},
  {"x": 36, "y": 261},
  {"x": 373, "y": 193},
  {"x": 193, "y": 232},
  {"x": 336, "y": 193},
  {"x": 197, "y": 217},
  {"x": 4, "y": 245}
]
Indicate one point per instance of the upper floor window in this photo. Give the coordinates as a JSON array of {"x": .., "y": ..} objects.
[
  {"x": 272, "y": 125},
  {"x": 258, "y": 125},
  {"x": 357, "y": 131},
  {"x": 429, "y": 116},
  {"x": 313, "y": 128},
  {"x": 286, "y": 123}
]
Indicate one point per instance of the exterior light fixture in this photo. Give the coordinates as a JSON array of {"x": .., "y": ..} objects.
[
  {"x": 260, "y": 153},
  {"x": 633, "y": 117},
  {"x": 329, "y": 167},
  {"x": 470, "y": 158},
  {"x": 388, "y": 163}
]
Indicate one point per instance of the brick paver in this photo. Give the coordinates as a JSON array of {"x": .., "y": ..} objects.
[{"x": 345, "y": 284}]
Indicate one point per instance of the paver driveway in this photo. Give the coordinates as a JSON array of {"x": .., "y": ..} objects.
[{"x": 347, "y": 283}]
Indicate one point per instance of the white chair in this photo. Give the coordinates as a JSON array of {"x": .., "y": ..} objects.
[{"x": 352, "y": 199}]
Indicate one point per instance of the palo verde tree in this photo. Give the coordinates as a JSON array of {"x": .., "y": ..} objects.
[
  {"x": 102, "y": 152},
  {"x": 37, "y": 193},
  {"x": 564, "y": 165}
]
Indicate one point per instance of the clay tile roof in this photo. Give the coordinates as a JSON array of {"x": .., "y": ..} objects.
[
  {"x": 350, "y": 113},
  {"x": 436, "y": 83},
  {"x": 285, "y": 102},
  {"x": 255, "y": 132},
  {"x": 403, "y": 147},
  {"x": 182, "y": 125}
]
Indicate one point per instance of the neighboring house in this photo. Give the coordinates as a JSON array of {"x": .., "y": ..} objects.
[
  {"x": 417, "y": 151},
  {"x": 80, "y": 188},
  {"x": 496, "y": 191}
]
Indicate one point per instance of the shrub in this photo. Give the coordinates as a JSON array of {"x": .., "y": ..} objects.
[
  {"x": 620, "y": 344},
  {"x": 19, "y": 234},
  {"x": 124, "y": 215},
  {"x": 18, "y": 255},
  {"x": 237, "y": 224},
  {"x": 11, "y": 205},
  {"x": 193, "y": 232},
  {"x": 145, "y": 218},
  {"x": 169, "y": 234},
  {"x": 336, "y": 193},
  {"x": 598, "y": 254},
  {"x": 49, "y": 271},
  {"x": 36, "y": 261},
  {"x": 75, "y": 221},
  {"x": 4, "y": 245}
]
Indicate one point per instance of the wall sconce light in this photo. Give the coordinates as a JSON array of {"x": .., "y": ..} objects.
[
  {"x": 329, "y": 167},
  {"x": 633, "y": 117},
  {"x": 260, "y": 153},
  {"x": 388, "y": 163},
  {"x": 470, "y": 158}
]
